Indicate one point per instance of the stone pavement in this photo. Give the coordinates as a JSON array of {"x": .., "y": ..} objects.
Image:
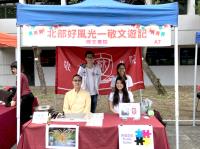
[{"x": 189, "y": 136}]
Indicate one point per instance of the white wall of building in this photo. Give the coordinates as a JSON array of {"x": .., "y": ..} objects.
[
  {"x": 8, "y": 26},
  {"x": 49, "y": 74},
  {"x": 7, "y": 56},
  {"x": 188, "y": 25},
  {"x": 166, "y": 75}
]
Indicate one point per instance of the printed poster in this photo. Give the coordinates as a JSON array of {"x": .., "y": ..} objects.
[
  {"x": 136, "y": 137},
  {"x": 129, "y": 110},
  {"x": 62, "y": 136}
]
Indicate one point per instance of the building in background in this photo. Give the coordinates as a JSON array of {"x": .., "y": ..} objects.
[{"x": 161, "y": 60}]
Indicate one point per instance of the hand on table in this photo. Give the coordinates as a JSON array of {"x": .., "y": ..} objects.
[{"x": 12, "y": 103}]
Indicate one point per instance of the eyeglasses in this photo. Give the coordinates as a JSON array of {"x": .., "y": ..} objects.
[
  {"x": 77, "y": 80},
  {"x": 121, "y": 68},
  {"x": 90, "y": 57}
]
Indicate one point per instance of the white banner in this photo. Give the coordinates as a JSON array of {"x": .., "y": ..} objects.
[
  {"x": 136, "y": 137},
  {"x": 102, "y": 36}
]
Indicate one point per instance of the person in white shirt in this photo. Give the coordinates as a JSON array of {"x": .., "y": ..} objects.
[
  {"x": 119, "y": 95},
  {"x": 121, "y": 71},
  {"x": 91, "y": 74}
]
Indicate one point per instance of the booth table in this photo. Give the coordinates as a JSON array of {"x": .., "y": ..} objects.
[
  {"x": 105, "y": 137},
  {"x": 8, "y": 127}
]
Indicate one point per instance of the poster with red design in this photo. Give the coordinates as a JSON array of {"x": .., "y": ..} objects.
[{"x": 68, "y": 60}]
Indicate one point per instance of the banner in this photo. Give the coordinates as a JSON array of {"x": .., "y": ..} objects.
[
  {"x": 136, "y": 137},
  {"x": 97, "y": 36},
  {"x": 68, "y": 60}
]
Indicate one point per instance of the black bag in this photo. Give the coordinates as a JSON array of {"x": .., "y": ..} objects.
[
  {"x": 198, "y": 95},
  {"x": 7, "y": 95},
  {"x": 158, "y": 116}
]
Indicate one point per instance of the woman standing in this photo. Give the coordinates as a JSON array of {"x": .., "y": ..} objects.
[
  {"x": 120, "y": 95},
  {"x": 121, "y": 71}
]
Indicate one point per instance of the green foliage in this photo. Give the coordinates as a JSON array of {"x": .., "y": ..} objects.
[
  {"x": 8, "y": 11},
  {"x": 162, "y": 1},
  {"x": 73, "y": 2},
  {"x": 182, "y": 4},
  {"x": 197, "y": 7}
]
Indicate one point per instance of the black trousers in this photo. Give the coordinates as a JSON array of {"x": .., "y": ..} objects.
[{"x": 26, "y": 108}]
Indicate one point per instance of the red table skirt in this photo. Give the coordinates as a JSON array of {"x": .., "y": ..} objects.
[
  {"x": 8, "y": 127},
  {"x": 105, "y": 137}
]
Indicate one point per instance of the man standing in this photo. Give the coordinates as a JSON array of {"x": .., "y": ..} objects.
[
  {"x": 77, "y": 100},
  {"x": 27, "y": 97},
  {"x": 91, "y": 74}
]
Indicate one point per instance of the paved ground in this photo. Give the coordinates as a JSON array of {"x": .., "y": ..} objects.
[{"x": 189, "y": 136}]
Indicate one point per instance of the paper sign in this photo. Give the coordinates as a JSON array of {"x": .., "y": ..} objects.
[
  {"x": 40, "y": 117},
  {"x": 62, "y": 136},
  {"x": 131, "y": 110},
  {"x": 95, "y": 119},
  {"x": 136, "y": 137}
]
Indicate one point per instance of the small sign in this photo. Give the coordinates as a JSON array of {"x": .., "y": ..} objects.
[
  {"x": 136, "y": 137},
  {"x": 62, "y": 136},
  {"x": 40, "y": 117},
  {"x": 129, "y": 110},
  {"x": 95, "y": 119}
]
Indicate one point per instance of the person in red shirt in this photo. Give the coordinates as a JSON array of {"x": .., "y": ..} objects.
[{"x": 27, "y": 97}]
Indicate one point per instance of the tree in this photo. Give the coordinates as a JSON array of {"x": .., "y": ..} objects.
[
  {"x": 197, "y": 7},
  {"x": 37, "y": 52}
]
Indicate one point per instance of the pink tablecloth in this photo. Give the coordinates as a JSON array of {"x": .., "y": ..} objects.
[
  {"x": 106, "y": 137},
  {"x": 8, "y": 127}
]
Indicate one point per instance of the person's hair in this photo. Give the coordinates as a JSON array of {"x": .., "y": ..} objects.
[
  {"x": 77, "y": 75},
  {"x": 89, "y": 52},
  {"x": 13, "y": 65},
  {"x": 121, "y": 64},
  {"x": 125, "y": 96}
]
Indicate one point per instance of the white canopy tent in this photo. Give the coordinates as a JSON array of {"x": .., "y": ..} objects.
[{"x": 120, "y": 14}]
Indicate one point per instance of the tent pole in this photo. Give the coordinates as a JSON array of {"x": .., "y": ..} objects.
[
  {"x": 18, "y": 56},
  {"x": 141, "y": 95},
  {"x": 176, "y": 61},
  {"x": 195, "y": 83}
]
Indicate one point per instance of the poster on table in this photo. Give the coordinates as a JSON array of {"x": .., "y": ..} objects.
[
  {"x": 62, "y": 136},
  {"x": 136, "y": 137},
  {"x": 129, "y": 110}
]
